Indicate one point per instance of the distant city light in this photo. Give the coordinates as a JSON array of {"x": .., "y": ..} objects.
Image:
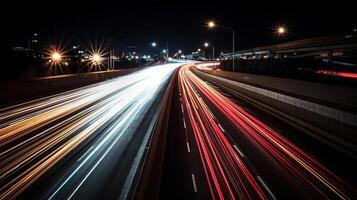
[
  {"x": 164, "y": 51},
  {"x": 199, "y": 50},
  {"x": 206, "y": 44},
  {"x": 179, "y": 51},
  {"x": 153, "y": 44}
]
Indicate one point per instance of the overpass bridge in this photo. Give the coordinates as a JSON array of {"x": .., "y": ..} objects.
[{"x": 326, "y": 47}]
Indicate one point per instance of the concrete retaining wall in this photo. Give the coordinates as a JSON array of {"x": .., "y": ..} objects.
[
  {"x": 328, "y": 107},
  {"x": 342, "y": 97}
]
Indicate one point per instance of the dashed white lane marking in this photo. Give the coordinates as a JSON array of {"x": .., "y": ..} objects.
[
  {"x": 194, "y": 183},
  {"x": 221, "y": 128},
  {"x": 188, "y": 147},
  {"x": 240, "y": 153},
  {"x": 266, "y": 187},
  {"x": 182, "y": 108},
  {"x": 184, "y": 123}
]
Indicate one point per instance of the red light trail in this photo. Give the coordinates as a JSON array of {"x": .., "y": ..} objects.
[
  {"x": 334, "y": 73},
  {"x": 227, "y": 174}
]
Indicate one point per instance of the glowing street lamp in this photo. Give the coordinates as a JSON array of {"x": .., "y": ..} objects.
[
  {"x": 211, "y": 24},
  {"x": 56, "y": 57},
  {"x": 153, "y": 44},
  {"x": 281, "y": 30},
  {"x": 179, "y": 51},
  {"x": 96, "y": 59},
  {"x": 206, "y": 44}
]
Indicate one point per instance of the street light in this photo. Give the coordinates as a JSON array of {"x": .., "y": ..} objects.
[
  {"x": 206, "y": 44},
  {"x": 179, "y": 51},
  {"x": 164, "y": 51},
  {"x": 281, "y": 30},
  {"x": 56, "y": 57},
  {"x": 211, "y": 24},
  {"x": 96, "y": 59}
]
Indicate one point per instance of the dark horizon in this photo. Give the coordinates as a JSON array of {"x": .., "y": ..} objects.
[{"x": 181, "y": 23}]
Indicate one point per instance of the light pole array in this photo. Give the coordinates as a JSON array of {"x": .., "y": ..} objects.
[
  {"x": 212, "y": 24},
  {"x": 164, "y": 51},
  {"x": 206, "y": 44}
]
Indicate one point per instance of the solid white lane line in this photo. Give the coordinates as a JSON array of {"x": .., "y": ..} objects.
[
  {"x": 240, "y": 153},
  {"x": 221, "y": 128},
  {"x": 266, "y": 187},
  {"x": 194, "y": 183},
  {"x": 188, "y": 147}
]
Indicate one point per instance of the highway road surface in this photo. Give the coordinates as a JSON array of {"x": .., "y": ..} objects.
[
  {"x": 223, "y": 148},
  {"x": 86, "y": 143}
]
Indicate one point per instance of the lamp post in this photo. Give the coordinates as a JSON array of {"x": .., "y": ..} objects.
[
  {"x": 206, "y": 44},
  {"x": 280, "y": 32},
  {"x": 212, "y": 24},
  {"x": 164, "y": 51}
]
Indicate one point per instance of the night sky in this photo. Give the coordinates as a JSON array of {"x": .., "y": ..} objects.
[{"x": 138, "y": 23}]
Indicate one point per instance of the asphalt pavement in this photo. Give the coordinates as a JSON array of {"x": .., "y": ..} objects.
[{"x": 86, "y": 143}]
